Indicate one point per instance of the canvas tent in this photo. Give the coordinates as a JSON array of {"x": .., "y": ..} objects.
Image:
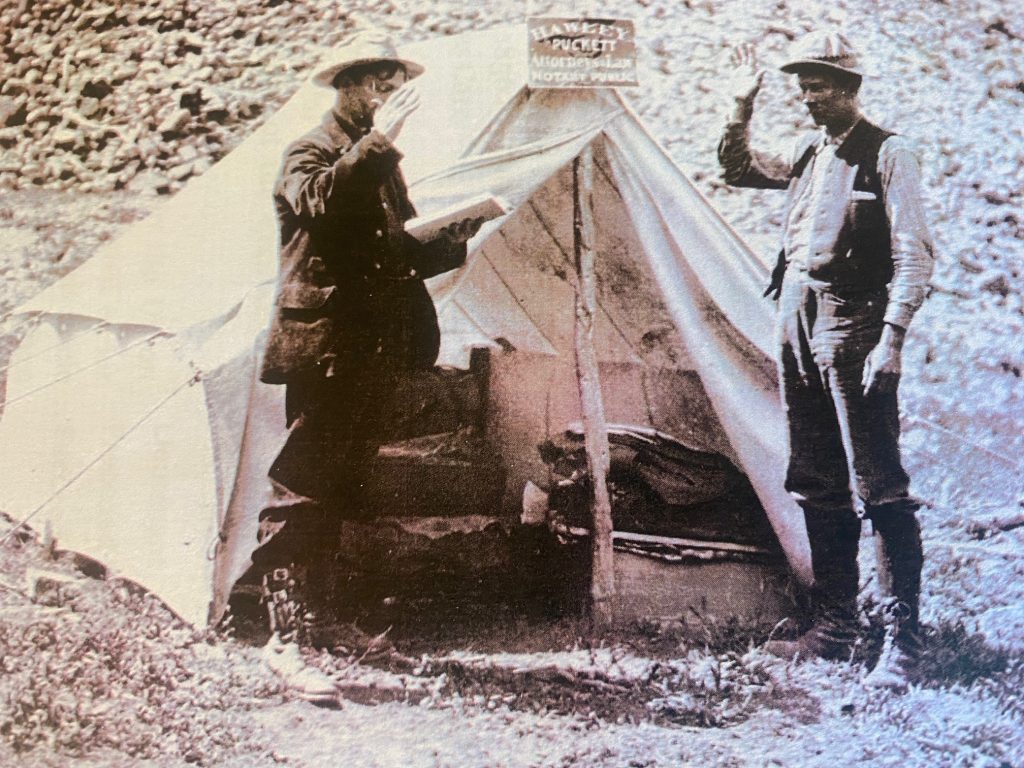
[{"x": 134, "y": 425}]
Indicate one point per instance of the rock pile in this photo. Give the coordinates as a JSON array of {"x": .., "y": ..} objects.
[
  {"x": 143, "y": 94},
  {"x": 146, "y": 93}
]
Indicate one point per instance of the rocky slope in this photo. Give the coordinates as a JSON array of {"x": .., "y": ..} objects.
[{"x": 145, "y": 94}]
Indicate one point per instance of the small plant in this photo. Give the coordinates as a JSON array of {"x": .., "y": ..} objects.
[
  {"x": 713, "y": 690},
  {"x": 954, "y": 655}
]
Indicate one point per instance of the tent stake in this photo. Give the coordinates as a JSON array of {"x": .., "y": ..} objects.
[{"x": 595, "y": 431}]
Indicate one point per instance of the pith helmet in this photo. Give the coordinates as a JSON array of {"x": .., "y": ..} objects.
[
  {"x": 823, "y": 49},
  {"x": 366, "y": 47}
]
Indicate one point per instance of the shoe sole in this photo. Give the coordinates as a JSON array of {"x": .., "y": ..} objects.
[{"x": 332, "y": 701}]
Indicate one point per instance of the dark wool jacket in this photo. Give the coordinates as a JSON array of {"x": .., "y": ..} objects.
[{"x": 350, "y": 282}]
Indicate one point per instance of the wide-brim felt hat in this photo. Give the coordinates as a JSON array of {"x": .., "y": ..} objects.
[
  {"x": 828, "y": 50},
  {"x": 362, "y": 48}
]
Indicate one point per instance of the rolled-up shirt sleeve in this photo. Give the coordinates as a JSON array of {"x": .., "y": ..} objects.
[
  {"x": 743, "y": 166},
  {"x": 913, "y": 253}
]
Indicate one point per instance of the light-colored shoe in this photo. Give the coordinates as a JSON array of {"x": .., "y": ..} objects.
[
  {"x": 901, "y": 649},
  {"x": 306, "y": 682},
  {"x": 895, "y": 666}
]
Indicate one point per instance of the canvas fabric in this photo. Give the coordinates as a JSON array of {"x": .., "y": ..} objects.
[{"x": 164, "y": 433}]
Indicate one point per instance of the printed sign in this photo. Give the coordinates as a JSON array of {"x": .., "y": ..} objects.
[{"x": 581, "y": 53}]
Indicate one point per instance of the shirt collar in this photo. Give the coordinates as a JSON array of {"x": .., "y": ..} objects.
[{"x": 837, "y": 141}]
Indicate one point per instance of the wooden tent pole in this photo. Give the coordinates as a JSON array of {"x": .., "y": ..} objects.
[{"x": 594, "y": 428}]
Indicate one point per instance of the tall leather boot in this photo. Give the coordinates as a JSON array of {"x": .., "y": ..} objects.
[
  {"x": 900, "y": 558},
  {"x": 282, "y": 654},
  {"x": 834, "y": 538},
  {"x": 286, "y": 611}
]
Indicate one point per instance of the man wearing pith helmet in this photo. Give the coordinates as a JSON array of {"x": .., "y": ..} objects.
[
  {"x": 351, "y": 315},
  {"x": 854, "y": 267}
]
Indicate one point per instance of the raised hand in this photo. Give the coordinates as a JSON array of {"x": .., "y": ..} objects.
[
  {"x": 390, "y": 116},
  {"x": 746, "y": 78}
]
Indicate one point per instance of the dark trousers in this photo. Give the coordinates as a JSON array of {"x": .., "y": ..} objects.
[
  {"x": 844, "y": 456},
  {"x": 319, "y": 476}
]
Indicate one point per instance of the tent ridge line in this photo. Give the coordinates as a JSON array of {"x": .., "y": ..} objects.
[{"x": 473, "y": 162}]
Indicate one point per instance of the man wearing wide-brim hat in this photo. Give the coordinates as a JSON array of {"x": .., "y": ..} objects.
[
  {"x": 854, "y": 268},
  {"x": 351, "y": 315}
]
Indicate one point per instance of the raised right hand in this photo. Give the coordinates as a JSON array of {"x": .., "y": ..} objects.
[
  {"x": 747, "y": 77},
  {"x": 390, "y": 116}
]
